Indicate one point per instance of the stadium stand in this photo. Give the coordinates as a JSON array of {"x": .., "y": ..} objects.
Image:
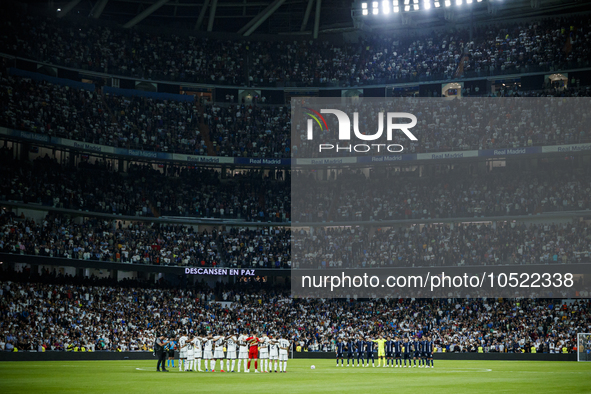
[
  {"x": 499, "y": 49},
  {"x": 183, "y": 191},
  {"x": 42, "y": 309},
  {"x": 254, "y": 196},
  {"x": 251, "y": 131},
  {"x": 54, "y": 312},
  {"x": 109, "y": 241},
  {"x": 448, "y": 193},
  {"x": 244, "y": 130},
  {"x": 114, "y": 120},
  {"x": 144, "y": 243},
  {"x": 493, "y": 243}
]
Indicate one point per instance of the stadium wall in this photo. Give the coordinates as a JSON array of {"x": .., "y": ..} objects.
[
  {"x": 98, "y": 356},
  {"x": 152, "y": 95},
  {"x": 75, "y": 356},
  {"x": 128, "y": 267},
  {"x": 51, "y": 79}
]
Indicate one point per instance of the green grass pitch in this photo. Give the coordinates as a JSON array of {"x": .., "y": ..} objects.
[{"x": 521, "y": 377}]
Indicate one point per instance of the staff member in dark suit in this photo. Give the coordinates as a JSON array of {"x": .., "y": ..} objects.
[{"x": 161, "y": 352}]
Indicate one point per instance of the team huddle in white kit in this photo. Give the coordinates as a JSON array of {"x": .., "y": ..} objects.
[{"x": 211, "y": 349}]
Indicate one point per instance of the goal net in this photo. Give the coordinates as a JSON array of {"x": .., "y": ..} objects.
[{"x": 584, "y": 347}]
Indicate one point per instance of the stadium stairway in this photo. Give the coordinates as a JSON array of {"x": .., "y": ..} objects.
[
  {"x": 334, "y": 203},
  {"x": 204, "y": 130},
  {"x": 220, "y": 247},
  {"x": 262, "y": 199},
  {"x": 111, "y": 114},
  {"x": 460, "y": 69},
  {"x": 155, "y": 211},
  {"x": 539, "y": 209}
]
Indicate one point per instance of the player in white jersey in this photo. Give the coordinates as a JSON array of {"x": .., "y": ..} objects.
[
  {"x": 190, "y": 357},
  {"x": 242, "y": 351},
  {"x": 273, "y": 354},
  {"x": 283, "y": 349},
  {"x": 264, "y": 353},
  {"x": 198, "y": 345},
  {"x": 218, "y": 353},
  {"x": 230, "y": 352},
  {"x": 207, "y": 351},
  {"x": 183, "y": 352}
]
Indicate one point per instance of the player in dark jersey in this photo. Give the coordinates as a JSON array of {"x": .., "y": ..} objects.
[
  {"x": 360, "y": 350},
  {"x": 340, "y": 349},
  {"x": 429, "y": 351},
  {"x": 416, "y": 351},
  {"x": 369, "y": 344},
  {"x": 398, "y": 351},
  {"x": 350, "y": 351},
  {"x": 389, "y": 345},
  {"x": 406, "y": 348},
  {"x": 423, "y": 360}
]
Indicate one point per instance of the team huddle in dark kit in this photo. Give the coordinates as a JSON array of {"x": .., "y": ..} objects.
[{"x": 392, "y": 351}]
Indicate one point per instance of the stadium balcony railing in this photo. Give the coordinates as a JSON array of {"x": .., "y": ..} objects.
[
  {"x": 546, "y": 211},
  {"x": 111, "y": 264},
  {"x": 188, "y": 220},
  {"x": 237, "y": 222},
  {"x": 173, "y": 268},
  {"x": 438, "y": 77}
]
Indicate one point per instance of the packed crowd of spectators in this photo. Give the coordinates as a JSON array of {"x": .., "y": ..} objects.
[
  {"x": 447, "y": 193},
  {"x": 251, "y": 131},
  {"x": 539, "y": 45},
  {"x": 449, "y": 244},
  {"x": 262, "y": 131},
  {"x": 549, "y": 44},
  {"x": 124, "y": 51},
  {"x": 144, "y": 243},
  {"x": 109, "y": 240},
  {"x": 144, "y": 190},
  {"x": 254, "y": 196},
  {"x": 45, "y": 312},
  {"x": 510, "y": 325},
  {"x": 547, "y": 91},
  {"x": 258, "y": 248},
  {"x": 91, "y": 116}
]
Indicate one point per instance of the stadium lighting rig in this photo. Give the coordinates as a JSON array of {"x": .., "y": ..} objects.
[{"x": 388, "y": 7}]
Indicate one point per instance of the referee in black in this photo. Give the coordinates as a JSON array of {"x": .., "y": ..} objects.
[{"x": 161, "y": 352}]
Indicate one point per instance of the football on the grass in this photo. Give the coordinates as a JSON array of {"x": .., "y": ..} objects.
[{"x": 312, "y": 367}]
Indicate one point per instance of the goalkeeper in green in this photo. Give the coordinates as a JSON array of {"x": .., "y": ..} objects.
[{"x": 381, "y": 351}]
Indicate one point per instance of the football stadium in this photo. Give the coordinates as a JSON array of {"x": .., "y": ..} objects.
[{"x": 297, "y": 196}]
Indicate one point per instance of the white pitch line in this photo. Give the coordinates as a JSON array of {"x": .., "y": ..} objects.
[{"x": 545, "y": 372}]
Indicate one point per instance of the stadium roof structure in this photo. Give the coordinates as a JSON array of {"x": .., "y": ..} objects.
[{"x": 303, "y": 17}]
